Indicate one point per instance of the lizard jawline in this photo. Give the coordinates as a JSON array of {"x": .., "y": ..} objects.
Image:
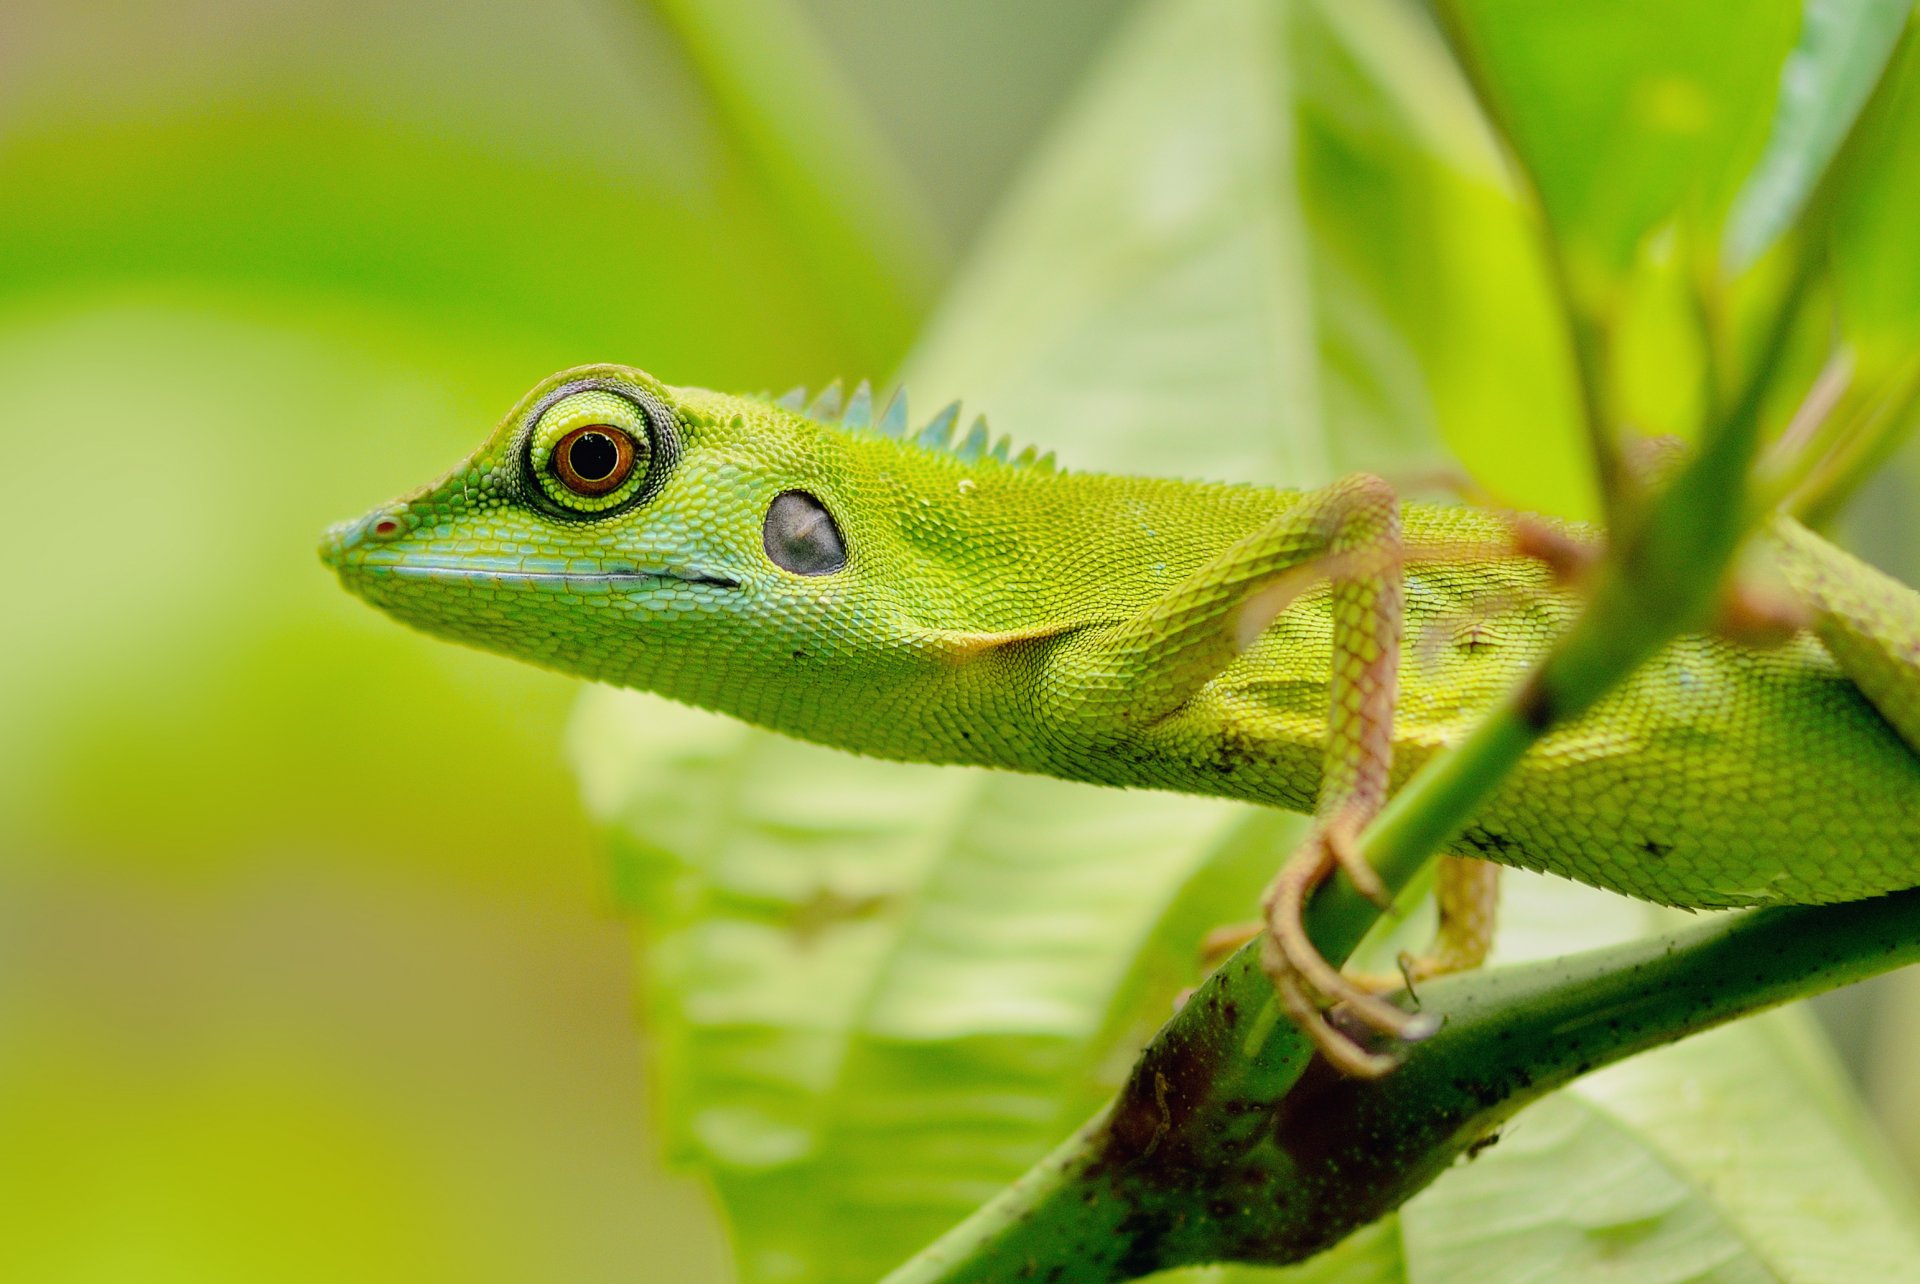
[{"x": 427, "y": 571}]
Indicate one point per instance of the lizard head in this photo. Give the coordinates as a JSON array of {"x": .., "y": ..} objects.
[{"x": 623, "y": 530}]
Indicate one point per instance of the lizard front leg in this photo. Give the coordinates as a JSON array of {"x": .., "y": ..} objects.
[
  {"x": 1364, "y": 564},
  {"x": 1123, "y": 683}
]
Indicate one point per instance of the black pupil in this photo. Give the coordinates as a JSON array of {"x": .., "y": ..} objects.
[{"x": 593, "y": 456}]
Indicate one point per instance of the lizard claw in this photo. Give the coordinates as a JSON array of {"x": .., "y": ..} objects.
[
  {"x": 1307, "y": 984},
  {"x": 1303, "y": 1008}
]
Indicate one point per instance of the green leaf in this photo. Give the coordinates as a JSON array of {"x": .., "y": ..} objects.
[
  {"x": 875, "y": 982},
  {"x": 1281, "y": 249},
  {"x": 1876, "y": 255},
  {"x": 1431, "y": 303},
  {"x": 540, "y": 176},
  {"x": 1629, "y": 114},
  {"x": 262, "y": 269},
  {"x": 1140, "y": 301},
  {"x": 882, "y": 990},
  {"x": 856, "y": 223},
  {"x": 1844, "y": 44}
]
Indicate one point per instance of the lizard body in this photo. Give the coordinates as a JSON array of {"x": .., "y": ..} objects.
[{"x": 934, "y": 601}]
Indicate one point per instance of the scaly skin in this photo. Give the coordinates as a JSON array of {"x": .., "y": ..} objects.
[{"x": 976, "y": 619}]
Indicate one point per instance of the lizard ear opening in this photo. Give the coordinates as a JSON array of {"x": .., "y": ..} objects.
[{"x": 801, "y": 536}]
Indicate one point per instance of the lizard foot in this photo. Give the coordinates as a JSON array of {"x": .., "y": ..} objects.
[
  {"x": 1222, "y": 941},
  {"x": 1307, "y": 984},
  {"x": 1466, "y": 893}
]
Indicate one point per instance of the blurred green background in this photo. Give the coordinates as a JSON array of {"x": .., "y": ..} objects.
[
  {"x": 307, "y": 962},
  {"x": 308, "y": 966}
]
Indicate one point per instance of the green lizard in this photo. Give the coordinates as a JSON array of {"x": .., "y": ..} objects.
[{"x": 833, "y": 576}]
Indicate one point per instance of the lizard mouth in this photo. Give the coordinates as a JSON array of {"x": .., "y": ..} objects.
[
  {"x": 359, "y": 548},
  {"x": 502, "y": 574}
]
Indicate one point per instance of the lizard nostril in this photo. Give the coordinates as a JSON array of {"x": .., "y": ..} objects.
[{"x": 385, "y": 528}]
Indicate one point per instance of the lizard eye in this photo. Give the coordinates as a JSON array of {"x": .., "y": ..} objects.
[
  {"x": 594, "y": 459},
  {"x": 593, "y": 450}
]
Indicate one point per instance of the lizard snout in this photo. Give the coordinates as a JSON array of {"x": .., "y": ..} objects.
[{"x": 344, "y": 538}]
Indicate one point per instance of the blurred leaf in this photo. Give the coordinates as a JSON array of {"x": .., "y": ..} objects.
[
  {"x": 873, "y": 982},
  {"x": 1658, "y": 357},
  {"x": 264, "y": 266},
  {"x": 188, "y": 626},
  {"x": 621, "y": 211},
  {"x": 1827, "y": 78},
  {"x": 1144, "y": 299},
  {"x": 1359, "y": 280},
  {"x": 871, "y": 250},
  {"x": 1431, "y": 302},
  {"x": 1876, "y": 255},
  {"x": 1630, "y": 113},
  {"x": 1670, "y": 147}
]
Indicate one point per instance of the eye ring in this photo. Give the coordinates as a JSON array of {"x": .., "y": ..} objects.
[
  {"x": 650, "y": 425},
  {"x": 593, "y": 459}
]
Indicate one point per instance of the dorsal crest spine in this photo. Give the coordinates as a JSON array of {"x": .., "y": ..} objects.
[{"x": 857, "y": 415}]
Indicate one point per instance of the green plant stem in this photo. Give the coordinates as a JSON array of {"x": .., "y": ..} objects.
[{"x": 1162, "y": 1179}]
